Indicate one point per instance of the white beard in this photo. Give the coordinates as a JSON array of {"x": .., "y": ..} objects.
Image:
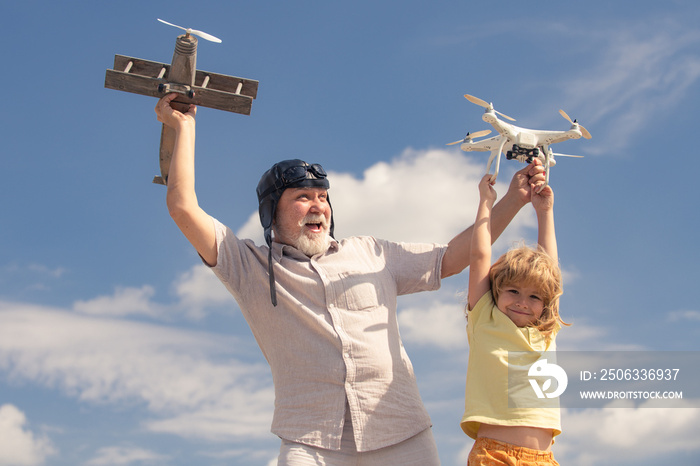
[
  {"x": 313, "y": 246},
  {"x": 310, "y": 245}
]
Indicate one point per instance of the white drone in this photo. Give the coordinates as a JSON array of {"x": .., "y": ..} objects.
[{"x": 517, "y": 143}]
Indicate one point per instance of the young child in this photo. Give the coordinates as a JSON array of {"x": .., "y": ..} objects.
[{"x": 513, "y": 307}]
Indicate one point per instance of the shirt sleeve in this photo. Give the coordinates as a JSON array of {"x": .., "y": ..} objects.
[
  {"x": 415, "y": 266},
  {"x": 239, "y": 263}
]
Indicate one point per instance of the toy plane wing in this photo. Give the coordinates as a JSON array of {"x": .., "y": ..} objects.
[{"x": 211, "y": 90}]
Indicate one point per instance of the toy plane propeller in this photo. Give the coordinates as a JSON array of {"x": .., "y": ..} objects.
[
  {"x": 201, "y": 34},
  {"x": 518, "y": 143}
]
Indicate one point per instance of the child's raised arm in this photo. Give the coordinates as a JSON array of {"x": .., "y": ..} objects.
[
  {"x": 543, "y": 202},
  {"x": 480, "y": 254}
]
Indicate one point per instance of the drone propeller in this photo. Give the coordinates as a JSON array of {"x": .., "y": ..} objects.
[
  {"x": 201, "y": 34},
  {"x": 486, "y": 105},
  {"x": 584, "y": 131},
  {"x": 470, "y": 136},
  {"x": 567, "y": 155}
]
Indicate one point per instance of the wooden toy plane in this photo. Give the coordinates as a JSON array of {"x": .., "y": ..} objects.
[{"x": 201, "y": 88}]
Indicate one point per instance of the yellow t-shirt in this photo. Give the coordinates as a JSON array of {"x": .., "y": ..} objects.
[{"x": 493, "y": 396}]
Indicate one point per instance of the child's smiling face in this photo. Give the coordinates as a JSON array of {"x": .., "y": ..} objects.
[{"x": 521, "y": 303}]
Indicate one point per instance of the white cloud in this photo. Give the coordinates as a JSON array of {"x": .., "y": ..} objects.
[
  {"x": 30, "y": 277},
  {"x": 691, "y": 316},
  {"x": 243, "y": 455},
  {"x": 427, "y": 196},
  {"x": 196, "y": 289},
  {"x": 441, "y": 325},
  {"x": 640, "y": 73},
  {"x": 623, "y": 434},
  {"x": 199, "y": 288},
  {"x": 237, "y": 413},
  {"x": 18, "y": 445},
  {"x": 569, "y": 275},
  {"x": 174, "y": 373},
  {"x": 252, "y": 229},
  {"x": 56, "y": 272},
  {"x": 125, "y": 301},
  {"x": 114, "y": 456},
  {"x": 422, "y": 196},
  {"x": 582, "y": 336}
]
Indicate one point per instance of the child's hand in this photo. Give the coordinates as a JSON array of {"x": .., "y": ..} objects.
[
  {"x": 544, "y": 200},
  {"x": 486, "y": 191}
]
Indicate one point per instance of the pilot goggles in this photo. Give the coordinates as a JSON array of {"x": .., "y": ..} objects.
[{"x": 297, "y": 173}]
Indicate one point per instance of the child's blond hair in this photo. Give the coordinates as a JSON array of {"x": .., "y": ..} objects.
[{"x": 532, "y": 267}]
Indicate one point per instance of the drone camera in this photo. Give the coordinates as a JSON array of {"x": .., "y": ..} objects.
[{"x": 522, "y": 154}]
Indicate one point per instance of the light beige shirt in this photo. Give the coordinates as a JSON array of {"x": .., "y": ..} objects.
[{"x": 334, "y": 334}]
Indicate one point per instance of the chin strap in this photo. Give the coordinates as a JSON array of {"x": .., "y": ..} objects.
[
  {"x": 273, "y": 288},
  {"x": 270, "y": 271}
]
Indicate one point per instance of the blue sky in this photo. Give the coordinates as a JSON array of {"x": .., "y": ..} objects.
[{"x": 118, "y": 348}]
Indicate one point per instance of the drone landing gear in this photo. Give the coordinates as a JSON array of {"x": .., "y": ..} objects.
[{"x": 496, "y": 154}]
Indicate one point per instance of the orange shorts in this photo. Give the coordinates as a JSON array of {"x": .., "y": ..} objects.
[{"x": 490, "y": 452}]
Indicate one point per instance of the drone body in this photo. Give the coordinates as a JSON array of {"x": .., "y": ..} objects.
[
  {"x": 201, "y": 88},
  {"x": 518, "y": 143}
]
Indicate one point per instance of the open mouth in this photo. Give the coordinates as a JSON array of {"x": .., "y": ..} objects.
[
  {"x": 314, "y": 223},
  {"x": 315, "y": 227}
]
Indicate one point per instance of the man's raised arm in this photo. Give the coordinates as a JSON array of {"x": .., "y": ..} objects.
[
  {"x": 195, "y": 223},
  {"x": 456, "y": 257}
]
